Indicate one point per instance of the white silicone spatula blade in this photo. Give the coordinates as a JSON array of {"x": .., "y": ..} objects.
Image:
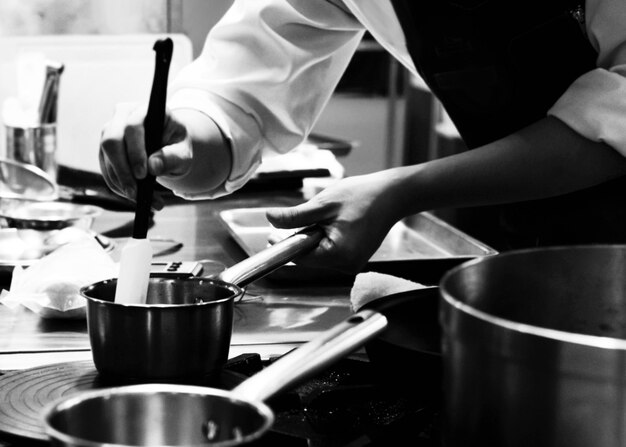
[{"x": 134, "y": 276}]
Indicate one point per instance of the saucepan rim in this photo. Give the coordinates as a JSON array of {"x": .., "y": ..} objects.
[
  {"x": 595, "y": 341},
  {"x": 66, "y": 403},
  {"x": 235, "y": 289}
]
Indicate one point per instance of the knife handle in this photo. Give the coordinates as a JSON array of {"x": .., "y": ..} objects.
[{"x": 153, "y": 129}]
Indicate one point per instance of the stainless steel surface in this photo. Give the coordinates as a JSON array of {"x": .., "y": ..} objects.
[
  {"x": 24, "y": 247},
  {"x": 274, "y": 318},
  {"x": 33, "y": 145},
  {"x": 57, "y": 238},
  {"x": 47, "y": 215},
  {"x": 179, "y": 415},
  {"x": 166, "y": 246},
  {"x": 185, "y": 327},
  {"x": 26, "y": 182},
  {"x": 272, "y": 257},
  {"x": 534, "y": 348},
  {"x": 417, "y": 240},
  {"x": 48, "y": 103}
]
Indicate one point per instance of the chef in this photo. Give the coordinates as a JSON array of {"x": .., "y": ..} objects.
[{"x": 537, "y": 91}]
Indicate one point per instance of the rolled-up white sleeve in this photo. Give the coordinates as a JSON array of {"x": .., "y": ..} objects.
[
  {"x": 595, "y": 104},
  {"x": 265, "y": 73}
]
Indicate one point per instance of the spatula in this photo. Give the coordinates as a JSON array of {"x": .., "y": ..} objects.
[{"x": 136, "y": 257}]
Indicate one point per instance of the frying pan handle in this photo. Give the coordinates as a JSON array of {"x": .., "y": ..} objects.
[
  {"x": 273, "y": 257},
  {"x": 313, "y": 356}
]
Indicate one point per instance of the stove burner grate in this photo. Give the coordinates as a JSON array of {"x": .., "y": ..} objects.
[{"x": 24, "y": 394}]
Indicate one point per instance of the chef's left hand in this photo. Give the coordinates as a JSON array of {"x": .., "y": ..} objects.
[
  {"x": 123, "y": 157},
  {"x": 356, "y": 213}
]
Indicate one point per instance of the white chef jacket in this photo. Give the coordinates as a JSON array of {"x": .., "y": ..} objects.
[{"x": 269, "y": 67}]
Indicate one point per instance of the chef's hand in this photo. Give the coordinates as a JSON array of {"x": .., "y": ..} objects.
[
  {"x": 123, "y": 157},
  {"x": 356, "y": 213}
]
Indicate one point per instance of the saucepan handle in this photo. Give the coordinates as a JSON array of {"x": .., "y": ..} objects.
[
  {"x": 313, "y": 356},
  {"x": 273, "y": 257}
]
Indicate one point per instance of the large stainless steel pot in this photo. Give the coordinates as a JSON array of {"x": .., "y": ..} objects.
[
  {"x": 184, "y": 415},
  {"x": 184, "y": 329},
  {"x": 534, "y": 348}
]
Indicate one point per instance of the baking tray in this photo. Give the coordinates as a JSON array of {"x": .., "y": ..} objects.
[{"x": 421, "y": 247}]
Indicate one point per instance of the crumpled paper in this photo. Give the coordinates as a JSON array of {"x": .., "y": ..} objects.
[{"x": 50, "y": 287}]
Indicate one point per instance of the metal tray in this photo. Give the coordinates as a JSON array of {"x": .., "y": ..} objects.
[{"x": 421, "y": 247}]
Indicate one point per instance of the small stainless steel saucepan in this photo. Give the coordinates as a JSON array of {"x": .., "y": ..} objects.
[
  {"x": 184, "y": 329},
  {"x": 185, "y": 415}
]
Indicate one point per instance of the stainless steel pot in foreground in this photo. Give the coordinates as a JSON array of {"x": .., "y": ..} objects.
[
  {"x": 184, "y": 329},
  {"x": 184, "y": 415},
  {"x": 534, "y": 348}
]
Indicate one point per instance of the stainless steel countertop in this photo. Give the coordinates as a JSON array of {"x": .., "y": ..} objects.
[{"x": 272, "y": 318}]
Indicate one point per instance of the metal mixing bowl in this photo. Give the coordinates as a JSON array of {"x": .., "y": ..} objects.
[{"x": 47, "y": 216}]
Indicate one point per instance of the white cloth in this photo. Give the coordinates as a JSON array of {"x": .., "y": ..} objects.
[
  {"x": 370, "y": 286},
  {"x": 269, "y": 67}
]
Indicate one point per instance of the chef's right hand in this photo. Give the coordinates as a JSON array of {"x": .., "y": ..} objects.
[{"x": 123, "y": 157}]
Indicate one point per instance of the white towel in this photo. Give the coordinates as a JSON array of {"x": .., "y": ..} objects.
[{"x": 369, "y": 286}]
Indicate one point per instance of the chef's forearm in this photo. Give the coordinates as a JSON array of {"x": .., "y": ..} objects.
[
  {"x": 545, "y": 159},
  {"x": 212, "y": 158}
]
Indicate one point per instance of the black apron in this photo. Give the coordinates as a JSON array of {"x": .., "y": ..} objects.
[{"x": 497, "y": 67}]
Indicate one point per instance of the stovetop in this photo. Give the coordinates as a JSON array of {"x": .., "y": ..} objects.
[{"x": 344, "y": 406}]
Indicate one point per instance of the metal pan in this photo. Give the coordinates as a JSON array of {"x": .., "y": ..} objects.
[
  {"x": 184, "y": 415},
  {"x": 420, "y": 247},
  {"x": 535, "y": 348},
  {"x": 532, "y": 344},
  {"x": 406, "y": 357},
  {"x": 184, "y": 329}
]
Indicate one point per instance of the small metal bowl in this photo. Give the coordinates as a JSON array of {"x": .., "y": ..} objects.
[{"x": 47, "y": 216}]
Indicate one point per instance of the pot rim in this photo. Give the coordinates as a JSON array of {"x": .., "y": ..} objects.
[
  {"x": 235, "y": 289},
  {"x": 65, "y": 403},
  {"x": 595, "y": 341}
]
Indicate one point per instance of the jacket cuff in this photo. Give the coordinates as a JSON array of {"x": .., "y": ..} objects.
[{"x": 595, "y": 106}]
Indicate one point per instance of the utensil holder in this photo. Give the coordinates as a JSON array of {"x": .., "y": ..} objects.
[{"x": 34, "y": 145}]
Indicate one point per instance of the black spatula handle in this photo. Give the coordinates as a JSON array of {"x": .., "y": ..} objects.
[{"x": 153, "y": 129}]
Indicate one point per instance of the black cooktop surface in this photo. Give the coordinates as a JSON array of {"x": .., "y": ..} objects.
[{"x": 344, "y": 406}]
